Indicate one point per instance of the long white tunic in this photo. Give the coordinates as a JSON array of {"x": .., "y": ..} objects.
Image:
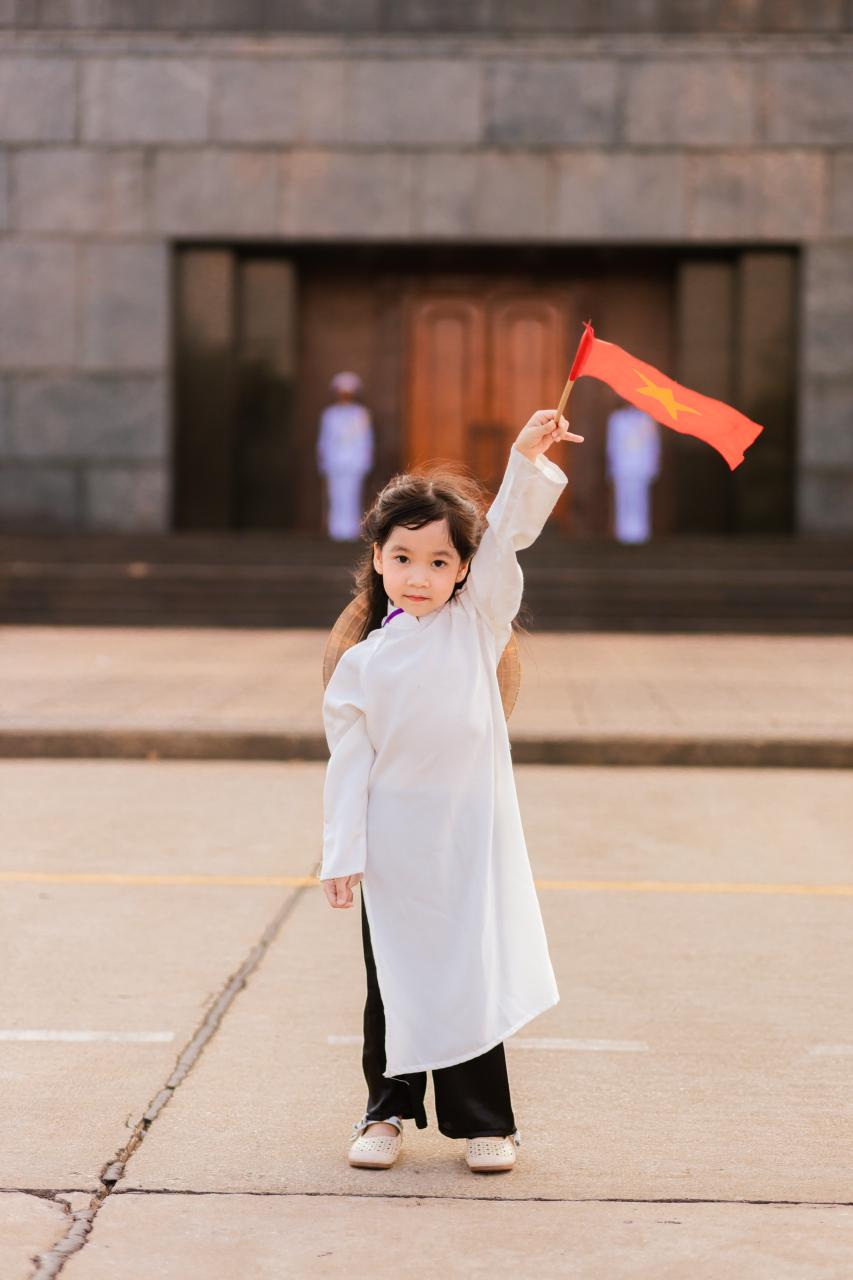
[
  {"x": 345, "y": 439},
  {"x": 632, "y": 444},
  {"x": 633, "y": 461},
  {"x": 419, "y": 795}
]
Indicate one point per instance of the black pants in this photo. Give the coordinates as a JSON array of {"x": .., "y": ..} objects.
[{"x": 471, "y": 1098}]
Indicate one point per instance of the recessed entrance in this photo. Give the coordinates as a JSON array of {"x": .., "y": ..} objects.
[{"x": 456, "y": 347}]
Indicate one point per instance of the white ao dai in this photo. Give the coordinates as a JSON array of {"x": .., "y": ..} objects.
[{"x": 419, "y": 795}]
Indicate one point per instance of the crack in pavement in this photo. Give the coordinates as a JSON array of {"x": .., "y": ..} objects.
[
  {"x": 429, "y": 1195},
  {"x": 50, "y": 1262},
  {"x": 439, "y": 1195}
]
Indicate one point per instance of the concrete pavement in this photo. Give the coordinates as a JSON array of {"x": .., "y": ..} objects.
[
  {"x": 586, "y": 698},
  {"x": 685, "y": 1109}
]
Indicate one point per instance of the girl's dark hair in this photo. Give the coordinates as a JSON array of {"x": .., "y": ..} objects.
[{"x": 436, "y": 490}]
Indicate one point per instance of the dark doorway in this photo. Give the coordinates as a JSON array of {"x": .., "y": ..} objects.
[{"x": 456, "y": 346}]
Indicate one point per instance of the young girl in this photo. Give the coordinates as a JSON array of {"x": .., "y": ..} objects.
[{"x": 420, "y": 805}]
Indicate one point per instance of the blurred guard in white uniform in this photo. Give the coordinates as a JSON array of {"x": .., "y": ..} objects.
[
  {"x": 633, "y": 462},
  {"x": 345, "y": 455}
]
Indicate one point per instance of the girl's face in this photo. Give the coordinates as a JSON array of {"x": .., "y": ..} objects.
[{"x": 419, "y": 567}]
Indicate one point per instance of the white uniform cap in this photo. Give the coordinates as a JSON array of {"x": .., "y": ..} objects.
[{"x": 346, "y": 382}]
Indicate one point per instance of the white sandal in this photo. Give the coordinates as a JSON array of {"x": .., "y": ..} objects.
[
  {"x": 375, "y": 1150},
  {"x": 491, "y": 1155}
]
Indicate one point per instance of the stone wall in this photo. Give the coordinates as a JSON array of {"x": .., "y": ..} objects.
[
  {"x": 116, "y": 145},
  {"x": 482, "y": 16}
]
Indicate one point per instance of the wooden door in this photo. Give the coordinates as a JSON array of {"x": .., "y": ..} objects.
[{"x": 481, "y": 357}]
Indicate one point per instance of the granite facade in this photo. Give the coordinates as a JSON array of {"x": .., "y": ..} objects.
[
  {"x": 388, "y": 16},
  {"x": 622, "y": 124}
]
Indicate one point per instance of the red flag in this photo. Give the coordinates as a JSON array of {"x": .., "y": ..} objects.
[{"x": 675, "y": 406}]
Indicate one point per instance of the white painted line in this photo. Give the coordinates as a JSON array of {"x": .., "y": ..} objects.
[
  {"x": 619, "y": 1046},
  {"x": 532, "y": 1042},
  {"x": 601, "y": 1046},
  {"x": 90, "y": 1037}
]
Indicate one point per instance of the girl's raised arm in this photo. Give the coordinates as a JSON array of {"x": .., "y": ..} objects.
[
  {"x": 528, "y": 493},
  {"x": 350, "y": 762}
]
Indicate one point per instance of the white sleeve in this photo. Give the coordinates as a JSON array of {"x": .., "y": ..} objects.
[
  {"x": 524, "y": 501},
  {"x": 347, "y": 772}
]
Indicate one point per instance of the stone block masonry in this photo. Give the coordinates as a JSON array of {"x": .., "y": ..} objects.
[{"x": 128, "y": 127}]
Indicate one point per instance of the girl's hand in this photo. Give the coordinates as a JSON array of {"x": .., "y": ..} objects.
[
  {"x": 339, "y": 889},
  {"x": 541, "y": 432}
]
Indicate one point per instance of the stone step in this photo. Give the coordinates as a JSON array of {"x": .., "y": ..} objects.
[
  {"x": 579, "y": 611},
  {"x": 608, "y": 750},
  {"x": 303, "y": 581},
  {"x": 297, "y": 548}
]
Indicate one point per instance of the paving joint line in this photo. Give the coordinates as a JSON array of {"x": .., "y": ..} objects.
[
  {"x": 50, "y": 1262},
  {"x": 47, "y": 1194},
  {"x": 429, "y": 1195}
]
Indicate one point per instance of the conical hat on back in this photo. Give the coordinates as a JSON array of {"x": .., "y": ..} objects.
[{"x": 350, "y": 624}]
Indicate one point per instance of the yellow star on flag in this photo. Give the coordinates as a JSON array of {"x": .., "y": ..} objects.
[{"x": 664, "y": 395}]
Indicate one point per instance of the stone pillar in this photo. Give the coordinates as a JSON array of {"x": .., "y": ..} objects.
[
  {"x": 267, "y": 450},
  {"x": 704, "y": 361},
  {"x": 825, "y": 446},
  {"x": 766, "y": 389},
  {"x": 205, "y": 314}
]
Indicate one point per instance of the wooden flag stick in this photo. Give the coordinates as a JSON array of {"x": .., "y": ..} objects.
[{"x": 564, "y": 398}]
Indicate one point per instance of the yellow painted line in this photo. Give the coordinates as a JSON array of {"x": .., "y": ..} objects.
[
  {"x": 688, "y": 886},
  {"x": 277, "y": 882},
  {"x": 107, "y": 877}
]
